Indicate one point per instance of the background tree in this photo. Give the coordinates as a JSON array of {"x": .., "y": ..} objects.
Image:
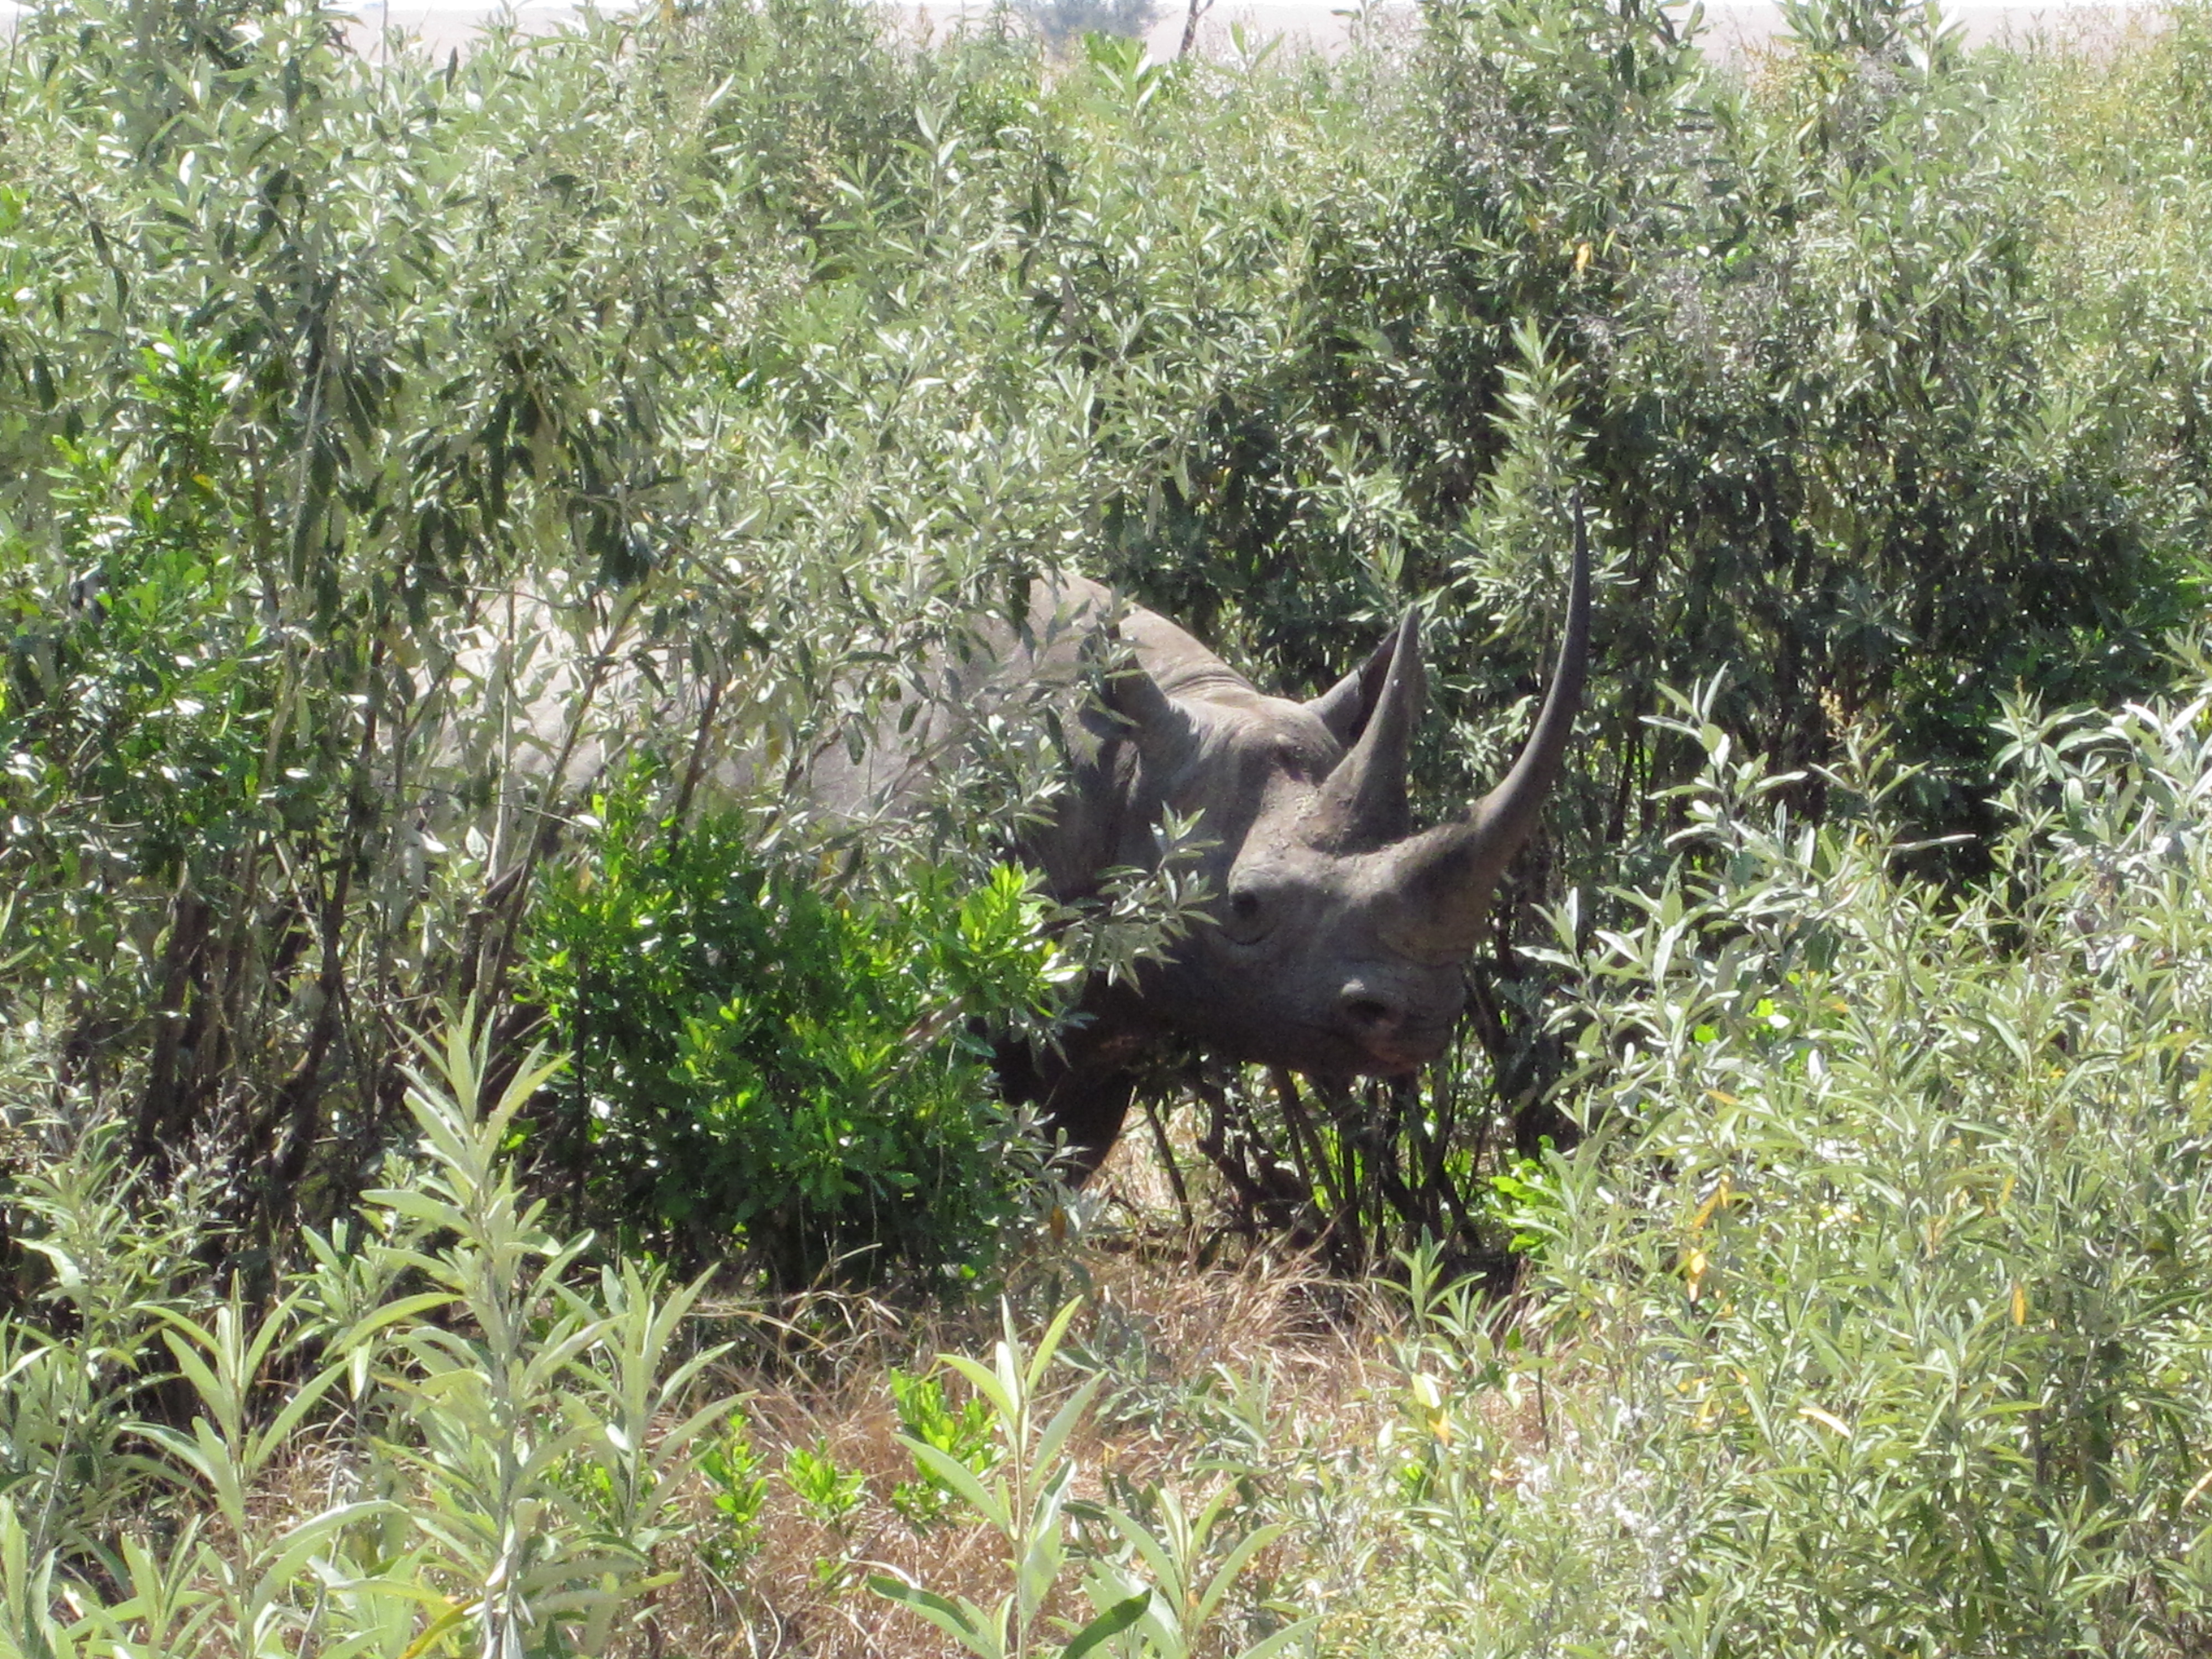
[{"x": 1061, "y": 24}]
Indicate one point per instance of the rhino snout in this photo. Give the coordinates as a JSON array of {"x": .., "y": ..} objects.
[
  {"x": 1384, "y": 1021},
  {"x": 1371, "y": 1008}
]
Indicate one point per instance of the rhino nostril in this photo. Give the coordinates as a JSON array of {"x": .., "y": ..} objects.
[{"x": 1371, "y": 1012}]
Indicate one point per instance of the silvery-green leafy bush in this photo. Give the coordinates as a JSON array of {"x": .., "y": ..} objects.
[
  {"x": 521, "y": 1425},
  {"x": 391, "y": 450},
  {"x": 1869, "y": 1318}
]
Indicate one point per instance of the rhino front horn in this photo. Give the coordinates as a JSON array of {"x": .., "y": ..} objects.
[{"x": 1445, "y": 874}]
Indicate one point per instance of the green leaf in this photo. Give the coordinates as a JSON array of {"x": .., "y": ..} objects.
[
  {"x": 961, "y": 1481},
  {"x": 1049, "y": 1344},
  {"x": 1282, "y": 1640},
  {"x": 1063, "y": 1424},
  {"x": 1107, "y": 1625},
  {"x": 962, "y": 1620}
]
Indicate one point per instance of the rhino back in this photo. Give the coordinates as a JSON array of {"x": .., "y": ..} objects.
[{"x": 997, "y": 674}]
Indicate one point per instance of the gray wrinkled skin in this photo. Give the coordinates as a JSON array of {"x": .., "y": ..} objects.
[{"x": 1335, "y": 940}]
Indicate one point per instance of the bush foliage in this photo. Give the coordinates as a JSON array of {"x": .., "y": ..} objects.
[
  {"x": 758, "y": 1067},
  {"x": 1871, "y": 1314},
  {"x": 445, "y": 505},
  {"x": 395, "y": 450}
]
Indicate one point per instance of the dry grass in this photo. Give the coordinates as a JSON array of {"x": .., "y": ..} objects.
[
  {"x": 1265, "y": 1365},
  {"x": 1177, "y": 1341}
]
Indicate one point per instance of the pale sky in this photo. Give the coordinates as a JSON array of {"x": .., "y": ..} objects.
[
  {"x": 448, "y": 22},
  {"x": 1320, "y": 21}
]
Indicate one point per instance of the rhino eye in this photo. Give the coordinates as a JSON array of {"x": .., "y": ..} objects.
[{"x": 1248, "y": 919}]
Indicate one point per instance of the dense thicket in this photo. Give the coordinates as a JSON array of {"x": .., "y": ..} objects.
[
  {"x": 1873, "y": 1321},
  {"x": 442, "y": 504},
  {"x": 390, "y": 444}
]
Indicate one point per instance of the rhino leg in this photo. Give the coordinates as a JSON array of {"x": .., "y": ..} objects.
[{"x": 1080, "y": 1095}]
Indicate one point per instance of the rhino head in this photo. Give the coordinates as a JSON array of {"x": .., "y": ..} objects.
[{"x": 1336, "y": 938}]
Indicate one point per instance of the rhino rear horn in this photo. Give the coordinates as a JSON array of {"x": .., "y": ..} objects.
[
  {"x": 1363, "y": 802},
  {"x": 1345, "y": 706},
  {"x": 1445, "y": 874}
]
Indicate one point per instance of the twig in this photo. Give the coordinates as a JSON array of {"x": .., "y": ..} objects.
[
  {"x": 514, "y": 885},
  {"x": 1306, "y": 1139},
  {"x": 697, "y": 764},
  {"x": 1198, "y": 9},
  {"x": 296, "y": 1099},
  {"x": 1168, "y": 1162}
]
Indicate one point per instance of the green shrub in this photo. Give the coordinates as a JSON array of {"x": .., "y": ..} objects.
[
  {"x": 508, "y": 1434},
  {"x": 964, "y": 1436},
  {"x": 759, "y": 1066},
  {"x": 737, "y": 1489},
  {"x": 1061, "y": 23},
  {"x": 1870, "y": 1320}
]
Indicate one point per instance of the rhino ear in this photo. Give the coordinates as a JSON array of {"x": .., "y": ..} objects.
[
  {"x": 1136, "y": 697},
  {"x": 1345, "y": 706},
  {"x": 1153, "y": 720}
]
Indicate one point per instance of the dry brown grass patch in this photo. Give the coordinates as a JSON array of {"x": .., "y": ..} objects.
[{"x": 1173, "y": 1339}]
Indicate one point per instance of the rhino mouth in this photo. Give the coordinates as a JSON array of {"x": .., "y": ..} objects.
[
  {"x": 1403, "y": 1064},
  {"x": 1405, "y": 1050},
  {"x": 1334, "y": 1050}
]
